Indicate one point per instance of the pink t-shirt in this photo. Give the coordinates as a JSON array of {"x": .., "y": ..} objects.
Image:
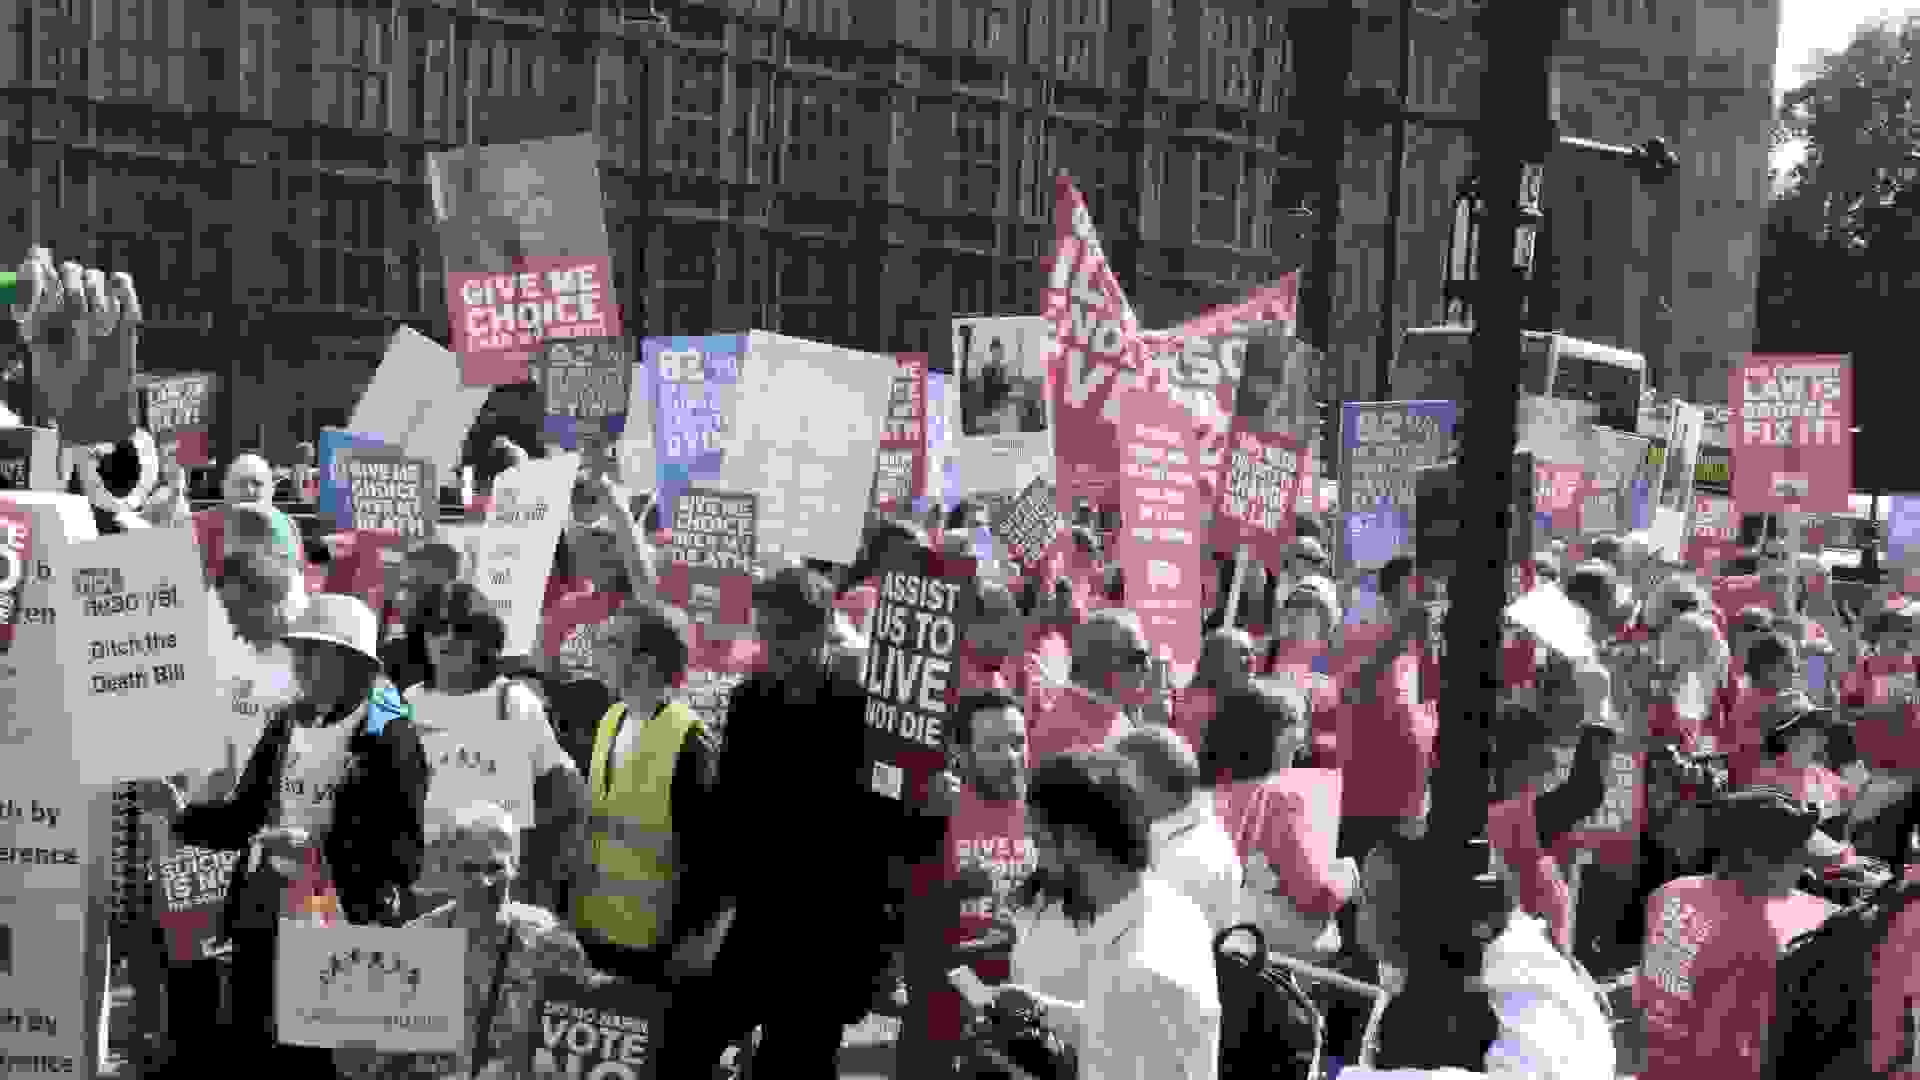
[
  {"x": 1061, "y": 719},
  {"x": 1386, "y": 747},
  {"x": 1708, "y": 980},
  {"x": 1514, "y": 833},
  {"x": 987, "y": 845},
  {"x": 1273, "y": 821},
  {"x": 1896, "y": 984}
]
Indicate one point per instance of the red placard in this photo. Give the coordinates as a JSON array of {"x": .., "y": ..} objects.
[
  {"x": 900, "y": 469},
  {"x": 1259, "y": 489},
  {"x": 1560, "y": 490},
  {"x": 1159, "y": 540},
  {"x": 1792, "y": 450},
  {"x": 16, "y": 544}
]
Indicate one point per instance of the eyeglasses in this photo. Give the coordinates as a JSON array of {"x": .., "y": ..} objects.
[
  {"x": 1137, "y": 659},
  {"x": 492, "y": 868}
]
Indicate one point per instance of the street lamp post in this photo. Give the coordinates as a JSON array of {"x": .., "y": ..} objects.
[{"x": 1463, "y": 240}]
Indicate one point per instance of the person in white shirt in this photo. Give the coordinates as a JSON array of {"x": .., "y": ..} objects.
[
  {"x": 486, "y": 736},
  {"x": 1191, "y": 849},
  {"x": 1152, "y": 1010}
]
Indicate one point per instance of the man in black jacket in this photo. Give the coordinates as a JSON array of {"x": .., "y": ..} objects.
[{"x": 810, "y": 881}]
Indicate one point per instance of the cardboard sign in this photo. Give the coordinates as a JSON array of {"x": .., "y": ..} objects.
[
  {"x": 389, "y": 492},
  {"x": 1264, "y": 475},
  {"x": 1384, "y": 444},
  {"x": 391, "y": 989},
  {"x": 177, "y": 411},
  {"x": 417, "y": 403},
  {"x": 132, "y": 617},
  {"x": 900, "y": 470},
  {"x": 1681, "y": 463},
  {"x": 587, "y": 384},
  {"x": 1159, "y": 542},
  {"x": 1791, "y": 440},
  {"x": 1099, "y": 352},
  {"x": 516, "y": 543},
  {"x": 926, "y": 604},
  {"x": 1028, "y": 528},
  {"x": 711, "y": 556},
  {"x": 192, "y": 889},
  {"x": 605, "y": 1030},
  {"x": 695, "y": 389},
  {"x": 524, "y": 233},
  {"x": 1006, "y": 435},
  {"x": 811, "y": 466},
  {"x": 30, "y": 459}
]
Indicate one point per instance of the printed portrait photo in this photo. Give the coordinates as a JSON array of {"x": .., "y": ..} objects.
[
  {"x": 530, "y": 200},
  {"x": 1002, "y": 365}
]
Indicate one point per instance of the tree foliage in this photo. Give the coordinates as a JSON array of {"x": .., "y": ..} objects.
[{"x": 1860, "y": 119}]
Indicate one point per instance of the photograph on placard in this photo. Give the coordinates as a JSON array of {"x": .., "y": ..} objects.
[
  {"x": 1002, "y": 363},
  {"x": 529, "y": 200}
]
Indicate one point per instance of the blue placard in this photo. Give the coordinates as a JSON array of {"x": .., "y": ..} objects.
[
  {"x": 335, "y": 492},
  {"x": 1903, "y": 525},
  {"x": 692, "y": 381},
  {"x": 1642, "y": 506},
  {"x": 1817, "y": 675}
]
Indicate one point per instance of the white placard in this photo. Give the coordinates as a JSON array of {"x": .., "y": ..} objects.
[
  {"x": 400, "y": 990},
  {"x": 1550, "y": 617},
  {"x": 805, "y": 437},
  {"x": 131, "y": 615},
  {"x": 515, "y": 550},
  {"x": 1000, "y": 447},
  {"x": 42, "y": 991},
  {"x": 417, "y": 403},
  {"x": 639, "y": 467}
]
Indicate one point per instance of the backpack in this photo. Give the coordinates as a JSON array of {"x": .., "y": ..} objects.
[
  {"x": 1269, "y": 1028},
  {"x": 1823, "y": 1009}
]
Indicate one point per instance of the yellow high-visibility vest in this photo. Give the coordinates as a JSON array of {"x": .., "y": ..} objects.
[{"x": 629, "y": 900}]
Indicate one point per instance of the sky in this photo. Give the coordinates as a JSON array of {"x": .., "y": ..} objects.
[{"x": 1807, "y": 26}]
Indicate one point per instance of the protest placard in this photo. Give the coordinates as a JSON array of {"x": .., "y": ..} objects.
[
  {"x": 1903, "y": 527},
  {"x": 1264, "y": 475},
  {"x": 812, "y": 466},
  {"x": 132, "y": 618},
  {"x": 1792, "y": 447},
  {"x": 43, "y": 1018},
  {"x": 389, "y": 492},
  {"x": 1612, "y": 832},
  {"x": 1559, "y": 491},
  {"x": 417, "y": 403},
  {"x": 335, "y": 490},
  {"x": 1000, "y": 365},
  {"x": 1159, "y": 541},
  {"x": 900, "y": 469},
  {"x": 517, "y": 540},
  {"x": 943, "y": 463},
  {"x": 177, "y": 410},
  {"x": 587, "y": 384},
  {"x": 1681, "y": 461},
  {"x": 390, "y": 989},
  {"x": 191, "y": 887},
  {"x": 926, "y": 604},
  {"x": 472, "y": 763},
  {"x": 695, "y": 387},
  {"x": 718, "y": 664},
  {"x": 1383, "y": 445},
  {"x": 1098, "y": 353},
  {"x": 709, "y": 559},
  {"x": 16, "y": 563},
  {"x": 30, "y": 459},
  {"x": 1714, "y": 472},
  {"x": 1714, "y": 519},
  {"x": 1554, "y": 429},
  {"x": 605, "y": 1029},
  {"x": 1028, "y": 528},
  {"x": 524, "y": 234}
]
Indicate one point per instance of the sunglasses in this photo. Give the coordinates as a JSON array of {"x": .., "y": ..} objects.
[{"x": 1138, "y": 659}]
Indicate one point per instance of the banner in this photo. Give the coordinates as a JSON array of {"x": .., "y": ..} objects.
[
  {"x": 1027, "y": 530},
  {"x": 926, "y": 605},
  {"x": 1159, "y": 541},
  {"x": 389, "y": 989},
  {"x": 177, "y": 411},
  {"x": 517, "y": 542},
  {"x": 30, "y": 460},
  {"x": 695, "y": 387},
  {"x": 811, "y": 465},
  {"x": 132, "y": 620},
  {"x": 1098, "y": 353},
  {"x": 1791, "y": 443},
  {"x": 389, "y": 492},
  {"x": 192, "y": 889},
  {"x": 1383, "y": 444},
  {"x": 607, "y": 1030},
  {"x": 586, "y": 385},
  {"x": 524, "y": 234},
  {"x": 417, "y": 403},
  {"x": 16, "y": 563},
  {"x": 1000, "y": 368},
  {"x": 1265, "y": 477},
  {"x": 900, "y": 470},
  {"x": 710, "y": 556}
]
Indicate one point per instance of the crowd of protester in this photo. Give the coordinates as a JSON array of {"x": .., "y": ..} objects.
[{"x": 1097, "y": 830}]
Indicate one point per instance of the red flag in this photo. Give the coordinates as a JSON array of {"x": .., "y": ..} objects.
[{"x": 1098, "y": 354}]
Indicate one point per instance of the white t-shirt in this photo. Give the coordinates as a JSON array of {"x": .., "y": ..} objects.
[
  {"x": 477, "y": 758},
  {"x": 315, "y": 765}
]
